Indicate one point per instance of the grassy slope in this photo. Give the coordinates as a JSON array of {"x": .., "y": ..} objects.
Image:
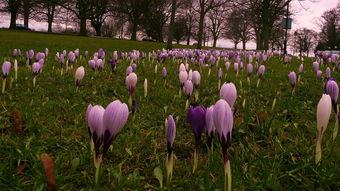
[{"x": 274, "y": 154}]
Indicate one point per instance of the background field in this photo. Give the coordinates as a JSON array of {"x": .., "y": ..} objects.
[{"x": 270, "y": 149}]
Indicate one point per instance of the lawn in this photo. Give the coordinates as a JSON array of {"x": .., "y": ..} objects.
[{"x": 271, "y": 149}]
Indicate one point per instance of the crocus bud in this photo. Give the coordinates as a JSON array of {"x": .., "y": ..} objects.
[
  {"x": 129, "y": 70},
  {"x": 164, "y": 72},
  {"x": 332, "y": 89},
  {"x": 131, "y": 82},
  {"x": 36, "y": 68},
  {"x": 6, "y": 67},
  {"x": 249, "y": 69},
  {"x": 228, "y": 92},
  {"x": 92, "y": 64},
  {"x": 183, "y": 77},
  {"x": 318, "y": 74},
  {"x": 300, "y": 69},
  {"x": 190, "y": 75},
  {"x": 328, "y": 73},
  {"x": 261, "y": 71},
  {"x": 220, "y": 73},
  {"x": 170, "y": 133},
  {"x": 80, "y": 73},
  {"x": 227, "y": 66},
  {"x": 182, "y": 68},
  {"x": 95, "y": 125},
  {"x": 292, "y": 78},
  {"x": 196, "y": 78},
  {"x": 188, "y": 88}
]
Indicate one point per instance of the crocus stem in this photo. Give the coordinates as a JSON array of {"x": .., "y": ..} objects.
[
  {"x": 169, "y": 166},
  {"x": 187, "y": 104},
  {"x": 34, "y": 79},
  {"x": 3, "y": 85},
  {"x": 293, "y": 90},
  {"x": 15, "y": 75},
  {"x": 318, "y": 153},
  {"x": 258, "y": 82},
  {"x": 274, "y": 103},
  {"x": 219, "y": 84},
  {"x": 209, "y": 71},
  {"x": 97, "y": 164},
  {"x": 336, "y": 127},
  {"x": 61, "y": 71},
  {"x": 180, "y": 92},
  {"x": 299, "y": 78},
  {"x": 228, "y": 172},
  {"x": 248, "y": 80},
  {"x": 196, "y": 95},
  {"x": 130, "y": 100},
  {"x": 195, "y": 160}
]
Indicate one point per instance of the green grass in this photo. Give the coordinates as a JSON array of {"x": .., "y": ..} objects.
[{"x": 276, "y": 153}]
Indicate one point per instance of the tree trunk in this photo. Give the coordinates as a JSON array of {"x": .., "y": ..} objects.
[
  {"x": 235, "y": 45},
  {"x": 83, "y": 31},
  {"x": 49, "y": 26},
  {"x": 266, "y": 34},
  {"x": 244, "y": 44},
  {"x": 200, "y": 28},
  {"x": 215, "y": 42},
  {"x": 134, "y": 31},
  {"x": 171, "y": 27},
  {"x": 13, "y": 24},
  {"x": 26, "y": 17}
]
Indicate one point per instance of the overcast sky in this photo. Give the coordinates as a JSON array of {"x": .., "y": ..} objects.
[{"x": 307, "y": 15}]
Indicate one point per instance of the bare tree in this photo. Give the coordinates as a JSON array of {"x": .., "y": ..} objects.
[
  {"x": 45, "y": 11},
  {"x": 180, "y": 29},
  {"x": 204, "y": 6},
  {"x": 172, "y": 22},
  {"x": 216, "y": 24},
  {"x": 26, "y": 10},
  {"x": 99, "y": 14},
  {"x": 12, "y": 6}
]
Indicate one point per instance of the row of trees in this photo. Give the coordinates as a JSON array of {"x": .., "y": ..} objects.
[{"x": 179, "y": 20}]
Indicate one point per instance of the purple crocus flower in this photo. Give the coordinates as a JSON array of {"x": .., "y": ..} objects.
[
  {"x": 170, "y": 133},
  {"x": 196, "y": 78},
  {"x": 228, "y": 92},
  {"x": 262, "y": 68},
  {"x": 164, "y": 72},
  {"x": 188, "y": 88},
  {"x": 15, "y": 52},
  {"x": 328, "y": 73},
  {"x": 220, "y": 73},
  {"x": 114, "y": 119},
  {"x": 101, "y": 53},
  {"x": 131, "y": 82},
  {"x": 30, "y": 54},
  {"x": 40, "y": 56},
  {"x": 36, "y": 68},
  {"x": 99, "y": 64},
  {"x": 316, "y": 66},
  {"x": 300, "y": 69},
  {"x": 129, "y": 70},
  {"x": 209, "y": 123},
  {"x": 318, "y": 74},
  {"x": 92, "y": 64},
  {"x": 332, "y": 89},
  {"x": 249, "y": 69},
  {"x": 94, "y": 118},
  {"x": 86, "y": 53},
  {"x": 264, "y": 57},
  {"x": 71, "y": 57},
  {"x": 113, "y": 64},
  {"x": 6, "y": 67},
  {"x": 196, "y": 118},
  {"x": 223, "y": 122},
  {"x": 41, "y": 63},
  {"x": 61, "y": 59},
  {"x": 292, "y": 78}
]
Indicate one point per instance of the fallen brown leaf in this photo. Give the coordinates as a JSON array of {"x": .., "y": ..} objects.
[{"x": 48, "y": 164}]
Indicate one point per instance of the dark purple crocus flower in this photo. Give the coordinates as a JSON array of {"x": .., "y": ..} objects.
[
  {"x": 170, "y": 133},
  {"x": 196, "y": 118},
  {"x": 113, "y": 63},
  {"x": 332, "y": 89},
  {"x": 134, "y": 107}
]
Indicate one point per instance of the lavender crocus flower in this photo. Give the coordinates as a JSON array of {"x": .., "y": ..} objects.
[
  {"x": 71, "y": 57},
  {"x": 6, "y": 67},
  {"x": 170, "y": 133},
  {"x": 292, "y": 79},
  {"x": 94, "y": 115},
  {"x": 262, "y": 68},
  {"x": 188, "y": 88},
  {"x": 114, "y": 119},
  {"x": 131, "y": 82},
  {"x": 129, "y": 70},
  {"x": 228, "y": 92},
  {"x": 316, "y": 66},
  {"x": 99, "y": 64},
  {"x": 328, "y": 73},
  {"x": 249, "y": 69},
  {"x": 92, "y": 64},
  {"x": 196, "y": 78},
  {"x": 164, "y": 73},
  {"x": 318, "y": 74},
  {"x": 36, "y": 68},
  {"x": 220, "y": 73}
]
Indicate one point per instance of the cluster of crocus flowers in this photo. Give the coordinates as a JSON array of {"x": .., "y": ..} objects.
[
  {"x": 131, "y": 82},
  {"x": 170, "y": 133},
  {"x": 292, "y": 79},
  {"x": 6, "y": 67},
  {"x": 196, "y": 118},
  {"x": 323, "y": 113},
  {"x": 79, "y": 75},
  {"x": 104, "y": 126},
  {"x": 223, "y": 122}
]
